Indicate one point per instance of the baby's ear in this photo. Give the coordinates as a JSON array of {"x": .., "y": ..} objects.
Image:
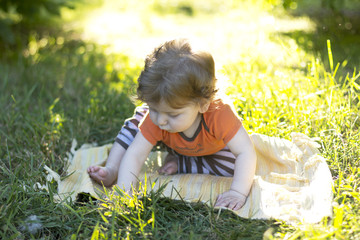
[{"x": 204, "y": 106}]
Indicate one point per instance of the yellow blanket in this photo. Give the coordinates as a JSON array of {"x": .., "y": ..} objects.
[{"x": 292, "y": 183}]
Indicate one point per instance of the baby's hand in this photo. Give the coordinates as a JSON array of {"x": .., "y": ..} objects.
[{"x": 231, "y": 199}]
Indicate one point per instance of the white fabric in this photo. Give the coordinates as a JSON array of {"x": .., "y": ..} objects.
[{"x": 293, "y": 182}]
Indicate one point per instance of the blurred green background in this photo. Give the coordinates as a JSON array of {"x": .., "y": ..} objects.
[{"x": 220, "y": 24}]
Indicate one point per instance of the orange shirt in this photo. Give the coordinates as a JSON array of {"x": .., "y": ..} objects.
[{"x": 218, "y": 126}]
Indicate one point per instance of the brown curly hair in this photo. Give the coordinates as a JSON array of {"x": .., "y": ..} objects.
[{"x": 174, "y": 73}]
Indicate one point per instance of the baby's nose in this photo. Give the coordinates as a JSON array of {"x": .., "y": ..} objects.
[{"x": 161, "y": 120}]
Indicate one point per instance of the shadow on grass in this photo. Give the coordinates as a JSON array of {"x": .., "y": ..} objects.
[
  {"x": 58, "y": 90},
  {"x": 203, "y": 222},
  {"x": 162, "y": 218},
  {"x": 54, "y": 91}
]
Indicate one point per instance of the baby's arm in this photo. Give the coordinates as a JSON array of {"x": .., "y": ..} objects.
[
  {"x": 132, "y": 162},
  {"x": 242, "y": 147}
]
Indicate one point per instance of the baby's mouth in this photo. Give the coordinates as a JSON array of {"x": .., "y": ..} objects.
[{"x": 166, "y": 129}]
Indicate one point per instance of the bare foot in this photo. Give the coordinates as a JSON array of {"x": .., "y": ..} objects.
[
  {"x": 170, "y": 166},
  {"x": 103, "y": 175}
]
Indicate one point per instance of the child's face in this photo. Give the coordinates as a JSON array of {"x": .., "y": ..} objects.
[{"x": 175, "y": 120}]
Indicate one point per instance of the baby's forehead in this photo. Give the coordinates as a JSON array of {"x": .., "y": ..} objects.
[{"x": 164, "y": 106}]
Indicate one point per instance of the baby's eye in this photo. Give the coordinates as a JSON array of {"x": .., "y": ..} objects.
[{"x": 152, "y": 110}]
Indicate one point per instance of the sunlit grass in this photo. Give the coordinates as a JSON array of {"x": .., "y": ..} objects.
[{"x": 231, "y": 31}]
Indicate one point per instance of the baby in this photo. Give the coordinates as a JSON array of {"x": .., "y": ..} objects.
[{"x": 201, "y": 132}]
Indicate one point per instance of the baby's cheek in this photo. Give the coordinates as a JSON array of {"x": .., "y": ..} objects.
[
  {"x": 152, "y": 118},
  {"x": 172, "y": 126}
]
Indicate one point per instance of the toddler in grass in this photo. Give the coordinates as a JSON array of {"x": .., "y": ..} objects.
[{"x": 201, "y": 132}]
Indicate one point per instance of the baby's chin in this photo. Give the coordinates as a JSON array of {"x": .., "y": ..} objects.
[{"x": 168, "y": 130}]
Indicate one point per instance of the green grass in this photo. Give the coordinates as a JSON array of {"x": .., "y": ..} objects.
[{"x": 59, "y": 89}]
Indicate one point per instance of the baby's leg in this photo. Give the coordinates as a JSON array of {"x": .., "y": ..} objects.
[
  {"x": 221, "y": 163},
  {"x": 107, "y": 175}
]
